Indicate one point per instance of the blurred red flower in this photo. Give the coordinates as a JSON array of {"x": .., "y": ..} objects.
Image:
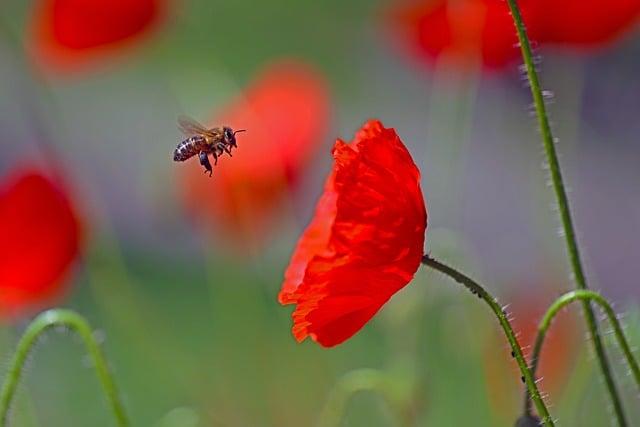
[
  {"x": 69, "y": 35},
  {"x": 586, "y": 22},
  {"x": 39, "y": 240},
  {"x": 365, "y": 241},
  {"x": 285, "y": 113},
  {"x": 471, "y": 31},
  {"x": 559, "y": 352}
]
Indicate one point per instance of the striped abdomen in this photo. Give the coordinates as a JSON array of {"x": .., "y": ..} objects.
[{"x": 189, "y": 148}]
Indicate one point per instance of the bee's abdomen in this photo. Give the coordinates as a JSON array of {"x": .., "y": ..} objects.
[{"x": 188, "y": 148}]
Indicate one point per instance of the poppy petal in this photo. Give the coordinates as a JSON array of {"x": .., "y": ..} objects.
[
  {"x": 365, "y": 241},
  {"x": 313, "y": 241},
  {"x": 69, "y": 35},
  {"x": 39, "y": 240},
  {"x": 470, "y": 31},
  {"x": 585, "y": 23}
]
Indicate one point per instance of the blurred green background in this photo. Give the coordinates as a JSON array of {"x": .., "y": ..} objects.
[{"x": 192, "y": 327}]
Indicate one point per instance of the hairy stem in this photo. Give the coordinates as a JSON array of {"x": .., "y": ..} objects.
[
  {"x": 559, "y": 304},
  {"x": 79, "y": 325},
  {"x": 516, "y": 350},
  {"x": 563, "y": 205}
]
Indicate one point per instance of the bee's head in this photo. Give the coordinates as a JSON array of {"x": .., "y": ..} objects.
[{"x": 230, "y": 136}]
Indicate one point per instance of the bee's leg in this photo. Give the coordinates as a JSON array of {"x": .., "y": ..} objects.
[
  {"x": 227, "y": 150},
  {"x": 217, "y": 150},
  {"x": 204, "y": 161},
  {"x": 215, "y": 157}
]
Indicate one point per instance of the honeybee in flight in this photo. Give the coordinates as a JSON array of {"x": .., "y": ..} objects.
[{"x": 202, "y": 141}]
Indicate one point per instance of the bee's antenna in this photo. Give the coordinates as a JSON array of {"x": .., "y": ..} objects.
[{"x": 239, "y": 130}]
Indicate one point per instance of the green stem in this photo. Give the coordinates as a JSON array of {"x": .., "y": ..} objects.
[
  {"x": 563, "y": 205},
  {"x": 561, "y": 302},
  {"x": 478, "y": 290},
  {"x": 348, "y": 385},
  {"x": 77, "y": 323}
]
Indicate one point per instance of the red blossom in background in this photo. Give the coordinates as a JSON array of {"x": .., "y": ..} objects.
[
  {"x": 285, "y": 112},
  {"x": 471, "y": 31},
  {"x": 586, "y": 23},
  {"x": 365, "y": 241},
  {"x": 39, "y": 240},
  {"x": 69, "y": 35}
]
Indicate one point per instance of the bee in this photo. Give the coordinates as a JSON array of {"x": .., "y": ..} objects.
[{"x": 202, "y": 141}]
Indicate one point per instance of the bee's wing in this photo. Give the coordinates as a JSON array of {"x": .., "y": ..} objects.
[{"x": 190, "y": 127}]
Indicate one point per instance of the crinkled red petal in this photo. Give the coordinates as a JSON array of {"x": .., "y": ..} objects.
[
  {"x": 375, "y": 242},
  {"x": 314, "y": 240}
]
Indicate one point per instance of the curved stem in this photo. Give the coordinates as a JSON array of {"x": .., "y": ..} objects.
[
  {"x": 365, "y": 379},
  {"x": 563, "y": 205},
  {"x": 77, "y": 323},
  {"x": 516, "y": 350},
  {"x": 560, "y": 303}
]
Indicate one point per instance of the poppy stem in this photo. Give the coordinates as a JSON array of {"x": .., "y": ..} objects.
[
  {"x": 77, "y": 323},
  {"x": 516, "y": 350},
  {"x": 563, "y": 205},
  {"x": 559, "y": 304}
]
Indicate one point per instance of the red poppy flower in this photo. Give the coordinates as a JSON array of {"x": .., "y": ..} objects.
[
  {"x": 470, "y": 31},
  {"x": 365, "y": 241},
  {"x": 558, "y": 354},
  {"x": 586, "y": 22},
  {"x": 467, "y": 31},
  {"x": 67, "y": 35},
  {"x": 39, "y": 240},
  {"x": 285, "y": 113}
]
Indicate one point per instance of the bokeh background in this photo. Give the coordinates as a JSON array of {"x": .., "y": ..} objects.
[{"x": 179, "y": 273}]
